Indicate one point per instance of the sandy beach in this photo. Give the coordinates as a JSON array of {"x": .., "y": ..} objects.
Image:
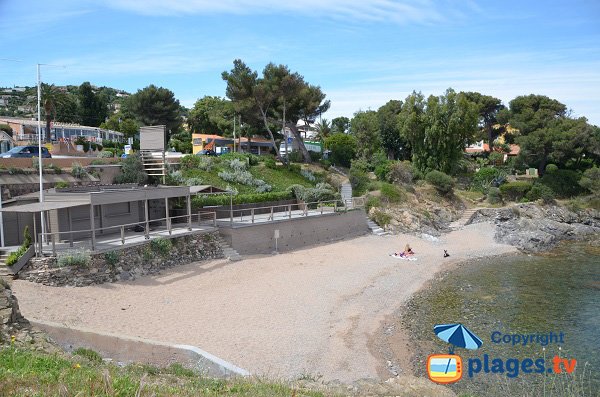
[{"x": 312, "y": 311}]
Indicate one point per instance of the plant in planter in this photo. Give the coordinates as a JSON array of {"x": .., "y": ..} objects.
[{"x": 16, "y": 255}]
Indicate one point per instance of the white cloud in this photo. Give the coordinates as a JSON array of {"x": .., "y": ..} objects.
[{"x": 397, "y": 11}]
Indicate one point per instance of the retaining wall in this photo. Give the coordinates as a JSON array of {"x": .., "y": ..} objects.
[
  {"x": 126, "y": 263},
  {"x": 295, "y": 233}
]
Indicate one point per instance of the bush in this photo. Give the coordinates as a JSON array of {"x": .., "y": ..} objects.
[
  {"x": 106, "y": 154},
  {"x": 381, "y": 218},
  {"x": 493, "y": 195},
  {"x": 372, "y": 201},
  {"x": 484, "y": 177},
  {"x": 441, "y": 182},
  {"x": 325, "y": 164},
  {"x": 55, "y": 168},
  {"x": 564, "y": 183},
  {"x": 90, "y": 354},
  {"x": 591, "y": 180},
  {"x": 295, "y": 157},
  {"x": 400, "y": 172},
  {"x": 132, "y": 171},
  {"x": 540, "y": 191},
  {"x": 223, "y": 200},
  {"x": 515, "y": 191},
  {"x": 270, "y": 163},
  {"x": 112, "y": 257},
  {"x": 315, "y": 156},
  {"x": 359, "y": 181},
  {"x": 382, "y": 170},
  {"x": 26, "y": 237},
  {"x": 81, "y": 258},
  {"x": 360, "y": 165},
  {"x": 294, "y": 168},
  {"x": 392, "y": 193},
  {"x": 321, "y": 192},
  {"x": 343, "y": 148},
  {"x": 161, "y": 246},
  {"x": 16, "y": 255},
  {"x": 551, "y": 168},
  {"x": 496, "y": 158},
  {"x": 77, "y": 170},
  {"x": 308, "y": 175},
  {"x": 189, "y": 161}
]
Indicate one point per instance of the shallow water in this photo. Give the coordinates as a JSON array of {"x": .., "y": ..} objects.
[{"x": 555, "y": 292}]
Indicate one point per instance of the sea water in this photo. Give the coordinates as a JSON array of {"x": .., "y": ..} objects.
[{"x": 535, "y": 296}]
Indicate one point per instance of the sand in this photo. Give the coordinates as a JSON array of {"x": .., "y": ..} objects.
[{"x": 312, "y": 311}]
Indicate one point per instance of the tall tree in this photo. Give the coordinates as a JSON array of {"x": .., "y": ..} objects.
[
  {"x": 118, "y": 122},
  {"x": 51, "y": 99},
  {"x": 92, "y": 109},
  {"x": 323, "y": 130},
  {"x": 488, "y": 108},
  {"x": 365, "y": 128},
  {"x": 279, "y": 98},
  {"x": 394, "y": 143},
  {"x": 340, "y": 124},
  {"x": 212, "y": 115},
  {"x": 438, "y": 129},
  {"x": 155, "y": 106}
]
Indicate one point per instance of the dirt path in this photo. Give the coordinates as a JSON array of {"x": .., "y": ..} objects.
[{"x": 311, "y": 311}]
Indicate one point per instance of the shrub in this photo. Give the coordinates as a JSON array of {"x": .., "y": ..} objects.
[
  {"x": 235, "y": 155},
  {"x": 441, "y": 182},
  {"x": 381, "y": 218},
  {"x": 90, "y": 354},
  {"x": 106, "y": 154},
  {"x": 382, "y": 170},
  {"x": 360, "y": 165},
  {"x": 194, "y": 181},
  {"x": 294, "y": 168},
  {"x": 16, "y": 255},
  {"x": 189, "y": 161},
  {"x": 77, "y": 170},
  {"x": 515, "y": 191},
  {"x": 325, "y": 164},
  {"x": 132, "y": 171},
  {"x": 26, "y": 237},
  {"x": 203, "y": 201},
  {"x": 400, "y": 172},
  {"x": 496, "y": 158},
  {"x": 270, "y": 163},
  {"x": 81, "y": 258},
  {"x": 591, "y": 180},
  {"x": 343, "y": 148},
  {"x": 359, "y": 181},
  {"x": 484, "y": 177},
  {"x": 540, "y": 191},
  {"x": 493, "y": 195},
  {"x": 161, "y": 246},
  {"x": 551, "y": 168},
  {"x": 308, "y": 175},
  {"x": 295, "y": 157},
  {"x": 315, "y": 156},
  {"x": 564, "y": 183},
  {"x": 321, "y": 192},
  {"x": 55, "y": 168},
  {"x": 372, "y": 201},
  {"x": 391, "y": 192},
  {"x": 112, "y": 257}
]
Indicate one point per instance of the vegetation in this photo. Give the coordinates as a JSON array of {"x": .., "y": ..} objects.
[
  {"x": 161, "y": 246},
  {"x": 343, "y": 148},
  {"x": 205, "y": 201},
  {"x": 32, "y": 373},
  {"x": 515, "y": 191},
  {"x": 564, "y": 183},
  {"x": 441, "y": 182},
  {"x": 80, "y": 258},
  {"x": 112, "y": 257},
  {"x": 132, "y": 171},
  {"x": 16, "y": 255}
]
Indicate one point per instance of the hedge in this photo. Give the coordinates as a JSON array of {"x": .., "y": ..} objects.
[
  {"x": 203, "y": 201},
  {"x": 515, "y": 191}
]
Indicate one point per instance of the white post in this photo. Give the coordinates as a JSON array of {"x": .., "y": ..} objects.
[
  {"x": 234, "y": 133},
  {"x": 39, "y": 131}
]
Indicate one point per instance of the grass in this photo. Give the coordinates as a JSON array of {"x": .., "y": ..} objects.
[
  {"x": 472, "y": 195},
  {"x": 32, "y": 373}
]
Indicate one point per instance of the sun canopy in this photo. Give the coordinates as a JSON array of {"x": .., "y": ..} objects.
[
  {"x": 45, "y": 206},
  {"x": 458, "y": 335}
]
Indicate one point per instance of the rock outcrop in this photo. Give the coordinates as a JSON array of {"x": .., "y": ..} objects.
[{"x": 534, "y": 228}]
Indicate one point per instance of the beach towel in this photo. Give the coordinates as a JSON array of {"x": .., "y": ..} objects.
[{"x": 406, "y": 258}]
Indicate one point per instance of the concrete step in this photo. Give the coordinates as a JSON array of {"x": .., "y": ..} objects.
[{"x": 228, "y": 251}]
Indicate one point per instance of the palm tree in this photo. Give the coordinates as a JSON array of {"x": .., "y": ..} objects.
[
  {"x": 323, "y": 129},
  {"x": 52, "y": 97}
]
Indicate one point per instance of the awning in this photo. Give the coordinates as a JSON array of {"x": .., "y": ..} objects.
[{"x": 45, "y": 206}]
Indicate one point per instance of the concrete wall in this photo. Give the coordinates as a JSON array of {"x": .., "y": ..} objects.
[
  {"x": 126, "y": 349},
  {"x": 295, "y": 233}
]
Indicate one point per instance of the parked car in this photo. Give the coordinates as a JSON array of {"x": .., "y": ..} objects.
[
  {"x": 206, "y": 152},
  {"x": 26, "y": 151}
]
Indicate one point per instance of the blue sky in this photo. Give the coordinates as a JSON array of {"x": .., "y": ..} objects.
[{"x": 361, "y": 52}]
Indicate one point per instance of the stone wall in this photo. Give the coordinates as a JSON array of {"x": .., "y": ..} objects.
[{"x": 127, "y": 263}]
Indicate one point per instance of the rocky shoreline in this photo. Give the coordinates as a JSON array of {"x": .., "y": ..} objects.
[{"x": 533, "y": 228}]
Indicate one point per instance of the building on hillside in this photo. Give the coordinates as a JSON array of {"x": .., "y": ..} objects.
[
  {"x": 481, "y": 147},
  {"x": 220, "y": 144},
  {"x": 25, "y": 130}
]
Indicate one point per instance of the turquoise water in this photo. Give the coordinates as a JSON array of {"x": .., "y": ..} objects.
[{"x": 557, "y": 292}]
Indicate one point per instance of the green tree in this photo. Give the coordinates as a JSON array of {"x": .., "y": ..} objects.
[
  {"x": 323, "y": 130},
  {"x": 439, "y": 129},
  {"x": 92, "y": 110},
  {"x": 394, "y": 143},
  {"x": 52, "y": 97},
  {"x": 533, "y": 112},
  {"x": 343, "y": 148},
  {"x": 155, "y": 106},
  {"x": 365, "y": 128},
  {"x": 340, "y": 125},
  {"x": 212, "y": 115},
  {"x": 117, "y": 122},
  {"x": 591, "y": 180},
  {"x": 488, "y": 108}
]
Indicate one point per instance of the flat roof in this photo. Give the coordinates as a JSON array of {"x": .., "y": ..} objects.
[{"x": 45, "y": 206}]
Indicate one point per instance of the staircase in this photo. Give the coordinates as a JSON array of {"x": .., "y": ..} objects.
[
  {"x": 346, "y": 193},
  {"x": 154, "y": 166},
  {"x": 376, "y": 229},
  {"x": 464, "y": 219},
  {"x": 4, "y": 270},
  {"x": 228, "y": 252}
]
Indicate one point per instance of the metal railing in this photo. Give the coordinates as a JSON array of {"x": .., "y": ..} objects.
[{"x": 122, "y": 233}]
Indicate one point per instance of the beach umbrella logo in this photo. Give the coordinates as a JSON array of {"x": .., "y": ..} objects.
[
  {"x": 447, "y": 368},
  {"x": 458, "y": 336}
]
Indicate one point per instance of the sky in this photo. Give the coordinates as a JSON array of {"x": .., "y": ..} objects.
[{"x": 362, "y": 53}]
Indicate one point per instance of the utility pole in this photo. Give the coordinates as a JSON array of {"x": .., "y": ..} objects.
[
  {"x": 287, "y": 154},
  {"x": 40, "y": 164}
]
